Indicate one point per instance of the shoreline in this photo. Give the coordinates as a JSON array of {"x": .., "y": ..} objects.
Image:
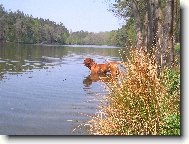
[{"x": 62, "y": 45}]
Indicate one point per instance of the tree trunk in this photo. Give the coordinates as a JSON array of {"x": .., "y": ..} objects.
[
  {"x": 138, "y": 29},
  {"x": 150, "y": 25},
  {"x": 177, "y": 21},
  {"x": 146, "y": 32},
  {"x": 154, "y": 23},
  {"x": 167, "y": 44},
  {"x": 172, "y": 34},
  {"x": 159, "y": 33},
  {"x": 175, "y": 27}
]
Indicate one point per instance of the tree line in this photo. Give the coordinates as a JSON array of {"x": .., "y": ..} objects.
[
  {"x": 92, "y": 38},
  {"x": 23, "y": 28},
  {"x": 153, "y": 24}
]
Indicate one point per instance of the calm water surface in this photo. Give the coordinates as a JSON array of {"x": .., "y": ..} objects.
[{"x": 45, "y": 89}]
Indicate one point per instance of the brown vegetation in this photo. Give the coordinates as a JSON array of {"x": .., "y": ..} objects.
[{"x": 141, "y": 103}]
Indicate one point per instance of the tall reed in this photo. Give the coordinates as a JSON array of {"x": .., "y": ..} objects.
[{"x": 139, "y": 104}]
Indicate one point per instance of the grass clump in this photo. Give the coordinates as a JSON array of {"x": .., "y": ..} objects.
[{"x": 143, "y": 103}]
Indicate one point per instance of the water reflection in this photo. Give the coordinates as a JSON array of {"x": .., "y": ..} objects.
[
  {"x": 105, "y": 78},
  {"x": 21, "y": 58},
  {"x": 42, "y": 87}
]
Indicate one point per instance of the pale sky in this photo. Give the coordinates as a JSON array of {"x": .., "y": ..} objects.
[{"x": 87, "y": 15}]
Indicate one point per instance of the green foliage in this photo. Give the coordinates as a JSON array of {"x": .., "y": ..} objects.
[
  {"x": 174, "y": 78},
  {"x": 22, "y": 28},
  {"x": 177, "y": 47},
  {"x": 19, "y": 27},
  {"x": 120, "y": 37},
  {"x": 126, "y": 35},
  {"x": 91, "y": 38},
  {"x": 172, "y": 126},
  {"x": 171, "y": 81}
]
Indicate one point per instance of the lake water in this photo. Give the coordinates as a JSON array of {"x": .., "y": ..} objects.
[{"x": 45, "y": 90}]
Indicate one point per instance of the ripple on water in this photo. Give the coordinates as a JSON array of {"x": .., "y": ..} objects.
[{"x": 42, "y": 90}]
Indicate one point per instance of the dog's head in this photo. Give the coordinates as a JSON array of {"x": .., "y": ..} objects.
[{"x": 88, "y": 62}]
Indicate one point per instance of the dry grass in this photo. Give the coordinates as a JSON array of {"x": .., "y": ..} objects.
[{"x": 139, "y": 104}]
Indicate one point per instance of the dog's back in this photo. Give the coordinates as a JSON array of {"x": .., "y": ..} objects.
[{"x": 111, "y": 67}]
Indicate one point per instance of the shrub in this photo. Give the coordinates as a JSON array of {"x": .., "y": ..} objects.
[
  {"x": 171, "y": 80},
  {"x": 142, "y": 103}
]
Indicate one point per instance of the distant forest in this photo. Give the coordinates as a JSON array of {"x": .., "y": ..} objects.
[{"x": 23, "y": 28}]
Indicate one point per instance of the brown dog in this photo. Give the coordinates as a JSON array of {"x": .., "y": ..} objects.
[{"x": 111, "y": 67}]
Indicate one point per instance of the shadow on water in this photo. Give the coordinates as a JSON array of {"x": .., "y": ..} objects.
[
  {"x": 44, "y": 89},
  {"x": 105, "y": 78}
]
